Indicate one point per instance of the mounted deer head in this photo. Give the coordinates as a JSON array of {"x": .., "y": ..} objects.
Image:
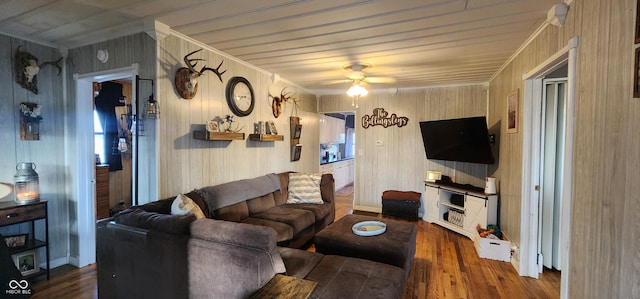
[
  {"x": 27, "y": 69},
  {"x": 187, "y": 77},
  {"x": 277, "y": 102}
]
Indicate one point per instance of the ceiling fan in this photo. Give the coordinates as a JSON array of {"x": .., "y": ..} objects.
[
  {"x": 358, "y": 75},
  {"x": 358, "y": 78}
]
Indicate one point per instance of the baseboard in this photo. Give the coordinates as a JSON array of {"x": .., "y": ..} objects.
[
  {"x": 55, "y": 263},
  {"x": 74, "y": 261}
]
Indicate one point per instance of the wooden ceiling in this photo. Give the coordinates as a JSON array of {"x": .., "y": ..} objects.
[{"x": 309, "y": 42}]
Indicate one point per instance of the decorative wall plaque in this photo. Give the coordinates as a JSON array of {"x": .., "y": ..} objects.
[{"x": 379, "y": 117}]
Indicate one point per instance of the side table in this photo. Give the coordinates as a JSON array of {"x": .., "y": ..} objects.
[{"x": 12, "y": 213}]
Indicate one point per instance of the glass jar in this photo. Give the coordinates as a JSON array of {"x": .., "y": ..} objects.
[{"x": 27, "y": 186}]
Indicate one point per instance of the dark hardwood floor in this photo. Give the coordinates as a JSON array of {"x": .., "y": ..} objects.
[{"x": 446, "y": 265}]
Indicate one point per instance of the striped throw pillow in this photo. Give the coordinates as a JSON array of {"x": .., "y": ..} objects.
[{"x": 304, "y": 188}]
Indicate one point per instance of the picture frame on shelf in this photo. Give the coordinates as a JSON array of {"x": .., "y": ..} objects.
[
  {"x": 27, "y": 262},
  {"x": 512, "y": 112},
  {"x": 213, "y": 126},
  {"x": 433, "y": 176},
  {"x": 271, "y": 128},
  {"x": 16, "y": 241}
]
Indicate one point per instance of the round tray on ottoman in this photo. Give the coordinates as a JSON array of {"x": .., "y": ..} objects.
[
  {"x": 369, "y": 228},
  {"x": 396, "y": 246}
]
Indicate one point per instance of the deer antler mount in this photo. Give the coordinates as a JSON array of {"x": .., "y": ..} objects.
[
  {"x": 27, "y": 69},
  {"x": 187, "y": 77}
]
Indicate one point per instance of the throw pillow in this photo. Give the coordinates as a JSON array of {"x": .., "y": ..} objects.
[
  {"x": 304, "y": 188},
  {"x": 183, "y": 205}
]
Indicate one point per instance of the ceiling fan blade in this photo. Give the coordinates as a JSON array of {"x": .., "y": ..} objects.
[
  {"x": 380, "y": 80},
  {"x": 333, "y": 82}
]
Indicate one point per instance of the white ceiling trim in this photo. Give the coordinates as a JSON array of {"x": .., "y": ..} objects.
[
  {"x": 235, "y": 59},
  {"x": 520, "y": 49},
  {"x": 35, "y": 41},
  {"x": 389, "y": 89}
]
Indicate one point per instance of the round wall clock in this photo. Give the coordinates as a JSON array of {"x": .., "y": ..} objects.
[{"x": 240, "y": 96}]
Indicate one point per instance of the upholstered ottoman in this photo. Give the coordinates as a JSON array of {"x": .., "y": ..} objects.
[
  {"x": 396, "y": 246},
  {"x": 401, "y": 204}
]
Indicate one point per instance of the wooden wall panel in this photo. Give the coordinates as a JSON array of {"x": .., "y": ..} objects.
[
  {"x": 604, "y": 255},
  {"x": 400, "y": 162},
  {"x": 188, "y": 163},
  {"x": 123, "y": 52},
  {"x": 48, "y": 152}
]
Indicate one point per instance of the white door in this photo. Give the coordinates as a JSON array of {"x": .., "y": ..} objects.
[{"x": 553, "y": 146}]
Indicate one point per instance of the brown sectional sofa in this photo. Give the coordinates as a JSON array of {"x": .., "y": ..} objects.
[
  {"x": 144, "y": 252},
  {"x": 262, "y": 201},
  {"x": 234, "y": 260}
]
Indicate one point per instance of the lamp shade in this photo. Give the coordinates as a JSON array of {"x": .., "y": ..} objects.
[
  {"x": 151, "y": 108},
  {"x": 357, "y": 90}
]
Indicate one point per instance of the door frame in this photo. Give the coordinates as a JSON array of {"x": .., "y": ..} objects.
[
  {"x": 531, "y": 162},
  {"x": 84, "y": 179}
]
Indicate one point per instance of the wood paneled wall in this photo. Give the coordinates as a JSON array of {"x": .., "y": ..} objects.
[
  {"x": 48, "y": 152},
  {"x": 400, "y": 162},
  {"x": 187, "y": 163},
  {"x": 123, "y": 52},
  {"x": 604, "y": 252}
]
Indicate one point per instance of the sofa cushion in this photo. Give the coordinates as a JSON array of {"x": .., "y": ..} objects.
[
  {"x": 281, "y": 195},
  {"x": 298, "y": 219},
  {"x": 171, "y": 224},
  {"x": 299, "y": 262},
  {"x": 319, "y": 211},
  {"x": 347, "y": 277},
  {"x": 230, "y": 260},
  {"x": 261, "y": 204},
  {"x": 236, "y": 212},
  {"x": 284, "y": 232},
  {"x": 304, "y": 188},
  {"x": 162, "y": 206},
  {"x": 183, "y": 205},
  {"x": 234, "y": 192}
]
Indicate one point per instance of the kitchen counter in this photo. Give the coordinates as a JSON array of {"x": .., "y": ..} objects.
[
  {"x": 343, "y": 159},
  {"x": 343, "y": 171}
]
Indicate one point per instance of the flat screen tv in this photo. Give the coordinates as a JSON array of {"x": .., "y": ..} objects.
[{"x": 461, "y": 139}]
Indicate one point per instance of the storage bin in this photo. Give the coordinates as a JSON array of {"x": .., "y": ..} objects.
[
  {"x": 401, "y": 204},
  {"x": 492, "y": 248}
]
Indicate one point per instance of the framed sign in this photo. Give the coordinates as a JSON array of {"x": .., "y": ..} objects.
[
  {"x": 16, "y": 241},
  {"x": 512, "y": 112},
  {"x": 637, "y": 35},
  {"x": 636, "y": 74},
  {"x": 27, "y": 262}
]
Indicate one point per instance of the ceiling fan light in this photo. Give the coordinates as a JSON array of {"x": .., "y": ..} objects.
[
  {"x": 357, "y": 90},
  {"x": 363, "y": 91}
]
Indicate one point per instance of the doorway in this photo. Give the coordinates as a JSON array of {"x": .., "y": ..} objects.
[
  {"x": 84, "y": 161},
  {"x": 553, "y": 140},
  {"x": 528, "y": 265},
  {"x": 114, "y": 130}
]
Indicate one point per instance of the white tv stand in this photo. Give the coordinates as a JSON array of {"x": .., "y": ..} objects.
[{"x": 478, "y": 208}]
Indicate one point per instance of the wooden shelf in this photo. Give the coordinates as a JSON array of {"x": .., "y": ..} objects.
[
  {"x": 205, "y": 135},
  {"x": 265, "y": 137}
]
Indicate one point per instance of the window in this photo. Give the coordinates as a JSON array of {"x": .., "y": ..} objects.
[{"x": 98, "y": 137}]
